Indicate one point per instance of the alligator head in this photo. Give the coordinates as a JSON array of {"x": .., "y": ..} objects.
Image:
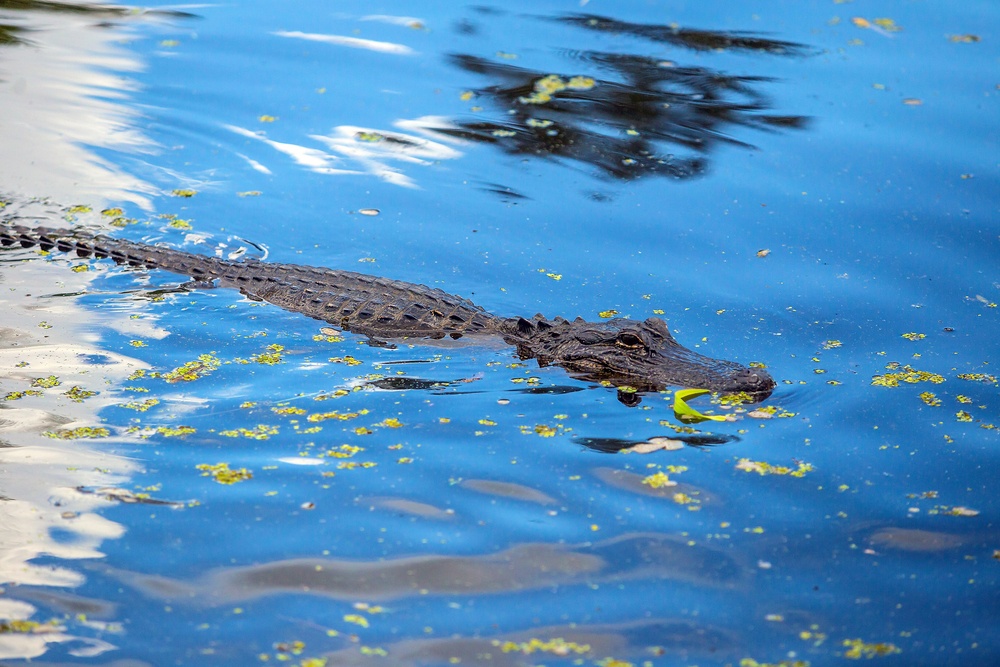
[{"x": 642, "y": 354}]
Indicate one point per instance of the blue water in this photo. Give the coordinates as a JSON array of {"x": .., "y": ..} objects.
[{"x": 802, "y": 204}]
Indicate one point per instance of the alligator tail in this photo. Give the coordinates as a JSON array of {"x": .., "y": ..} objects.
[{"x": 199, "y": 267}]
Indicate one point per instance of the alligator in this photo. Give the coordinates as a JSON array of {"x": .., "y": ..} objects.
[{"x": 636, "y": 356}]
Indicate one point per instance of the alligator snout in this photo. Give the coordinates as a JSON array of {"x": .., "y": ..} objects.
[{"x": 755, "y": 381}]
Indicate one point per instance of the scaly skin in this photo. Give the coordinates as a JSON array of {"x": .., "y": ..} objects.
[{"x": 624, "y": 352}]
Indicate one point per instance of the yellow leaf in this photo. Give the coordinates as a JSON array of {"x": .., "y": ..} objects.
[{"x": 685, "y": 412}]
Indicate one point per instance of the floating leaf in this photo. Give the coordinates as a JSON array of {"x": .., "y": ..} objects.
[{"x": 685, "y": 412}]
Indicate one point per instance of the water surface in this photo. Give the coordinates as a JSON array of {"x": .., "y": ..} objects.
[{"x": 811, "y": 186}]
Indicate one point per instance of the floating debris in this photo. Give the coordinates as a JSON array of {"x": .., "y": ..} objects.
[
  {"x": 764, "y": 468},
  {"x": 223, "y": 474}
]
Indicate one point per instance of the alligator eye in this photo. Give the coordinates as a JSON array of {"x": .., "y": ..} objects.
[{"x": 629, "y": 340}]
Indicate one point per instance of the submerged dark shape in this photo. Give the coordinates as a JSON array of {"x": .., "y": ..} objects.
[
  {"x": 641, "y": 355},
  {"x": 627, "y": 115},
  {"x": 690, "y": 38}
]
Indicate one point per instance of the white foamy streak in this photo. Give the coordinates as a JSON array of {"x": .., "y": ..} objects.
[{"x": 352, "y": 42}]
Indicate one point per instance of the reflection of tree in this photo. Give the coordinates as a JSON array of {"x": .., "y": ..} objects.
[
  {"x": 86, "y": 9},
  {"x": 13, "y": 34},
  {"x": 618, "y": 121},
  {"x": 65, "y": 90},
  {"x": 9, "y": 34}
]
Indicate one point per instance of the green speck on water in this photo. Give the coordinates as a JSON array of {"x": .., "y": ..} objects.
[
  {"x": 764, "y": 468},
  {"x": 857, "y": 648},
  {"x": 192, "y": 370},
  {"x": 46, "y": 383},
  {"x": 907, "y": 374},
  {"x": 78, "y": 433},
  {"x": 288, "y": 410},
  {"x": 175, "y": 431},
  {"x": 977, "y": 377},
  {"x": 15, "y": 395},
  {"x": 271, "y": 357},
  {"x": 14, "y": 626},
  {"x": 223, "y": 474},
  {"x": 77, "y": 394},
  {"x": 140, "y": 406},
  {"x": 346, "y": 359},
  {"x": 259, "y": 432},
  {"x": 659, "y": 480},
  {"x": 371, "y": 137},
  {"x": 930, "y": 398}
]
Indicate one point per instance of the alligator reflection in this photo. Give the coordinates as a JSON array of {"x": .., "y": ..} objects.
[
  {"x": 615, "y": 445},
  {"x": 405, "y": 383},
  {"x": 620, "y": 121},
  {"x": 597, "y": 444}
]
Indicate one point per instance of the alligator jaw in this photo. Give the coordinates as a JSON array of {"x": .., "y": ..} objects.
[{"x": 642, "y": 355}]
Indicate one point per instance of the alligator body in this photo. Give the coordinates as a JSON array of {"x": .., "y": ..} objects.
[{"x": 640, "y": 354}]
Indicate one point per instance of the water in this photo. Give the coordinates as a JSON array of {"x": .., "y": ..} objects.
[{"x": 820, "y": 197}]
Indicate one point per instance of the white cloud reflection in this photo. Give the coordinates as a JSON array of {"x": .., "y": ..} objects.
[
  {"x": 63, "y": 88},
  {"x": 43, "y": 511},
  {"x": 355, "y": 150}
]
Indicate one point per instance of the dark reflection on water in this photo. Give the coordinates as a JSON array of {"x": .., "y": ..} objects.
[
  {"x": 615, "y": 445},
  {"x": 635, "y": 483},
  {"x": 556, "y": 644},
  {"x": 621, "y": 116},
  {"x": 689, "y": 38},
  {"x": 522, "y": 567}
]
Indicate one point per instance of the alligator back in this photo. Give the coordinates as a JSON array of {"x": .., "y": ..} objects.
[
  {"x": 363, "y": 304},
  {"x": 641, "y": 355}
]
